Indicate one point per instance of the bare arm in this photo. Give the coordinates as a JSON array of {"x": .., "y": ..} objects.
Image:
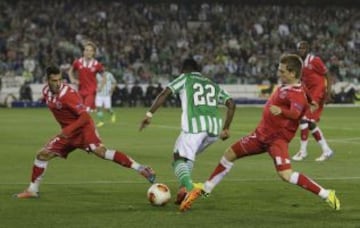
[
  {"x": 225, "y": 134},
  {"x": 113, "y": 86},
  {"x": 103, "y": 82},
  {"x": 328, "y": 87},
  {"x": 71, "y": 73},
  {"x": 159, "y": 100}
]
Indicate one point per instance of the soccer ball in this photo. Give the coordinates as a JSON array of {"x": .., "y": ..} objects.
[{"x": 158, "y": 194}]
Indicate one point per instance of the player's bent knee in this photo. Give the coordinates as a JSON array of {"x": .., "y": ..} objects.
[
  {"x": 302, "y": 121},
  {"x": 177, "y": 156},
  {"x": 44, "y": 155},
  {"x": 230, "y": 155},
  {"x": 285, "y": 175},
  {"x": 100, "y": 151},
  {"x": 312, "y": 125}
]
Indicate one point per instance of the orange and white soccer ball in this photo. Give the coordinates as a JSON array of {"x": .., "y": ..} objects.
[{"x": 158, "y": 194}]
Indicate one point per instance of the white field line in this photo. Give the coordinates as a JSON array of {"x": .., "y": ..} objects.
[
  {"x": 174, "y": 181},
  {"x": 346, "y": 140}
]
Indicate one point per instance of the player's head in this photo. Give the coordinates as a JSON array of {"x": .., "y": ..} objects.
[
  {"x": 289, "y": 69},
  {"x": 89, "y": 50},
  {"x": 54, "y": 78},
  {"x": 303, "y": 48},
  {"x": 190, "y": 65}
]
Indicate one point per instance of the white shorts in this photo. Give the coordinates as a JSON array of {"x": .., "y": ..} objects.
[
  {"x": 103, "y": 101},
  {"x": 189, "y": 145}
]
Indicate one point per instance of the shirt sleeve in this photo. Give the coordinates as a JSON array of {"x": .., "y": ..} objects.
[
  {"x": 223, "y": 96},
  {"x": 177, "y": 84},
  {"x": 75, "y": 64},
  {"x": 113, "y": 80},
  {"x": 74, "y": 103},
  {"x": 297, "y": 105},
  {"x": 319, "y": 66}
]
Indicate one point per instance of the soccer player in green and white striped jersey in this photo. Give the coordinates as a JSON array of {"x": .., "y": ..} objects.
[
  {"x": 106, "y": 85},
  {"x": 201, "y": 122}
]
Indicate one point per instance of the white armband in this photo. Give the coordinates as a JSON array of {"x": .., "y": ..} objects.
[{"x": 149, "y": 114}]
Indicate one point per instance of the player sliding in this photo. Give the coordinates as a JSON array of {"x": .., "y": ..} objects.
[
  {"x": 280, "y": 120},
  {"x": 78, "y": 132}
]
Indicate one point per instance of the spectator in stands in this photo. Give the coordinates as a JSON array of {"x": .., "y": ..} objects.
[
  {"x": 116, "y": 97},
  {"x": 158, "y": 90},
  {"x": 124, "y": 95},
  {"x": 157, "y": 41},
  {"x": 143, "y": 75},
  {"x": 150, "y": 94},
  {"x": 136, "y": 95},
  {"x": 25, "y": 93},
  {"x": 29, "y": 65}
]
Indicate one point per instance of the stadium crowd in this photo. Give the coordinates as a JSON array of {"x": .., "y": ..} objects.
[{"x": 235, "y": 43}]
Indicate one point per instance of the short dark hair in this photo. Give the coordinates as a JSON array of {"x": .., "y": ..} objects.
[
  {"x": 303, "y": 42},
  {"x": 52, "y": 70},
  {"x": 293, "y": 63},
  {"x": 190, "y": 64}
]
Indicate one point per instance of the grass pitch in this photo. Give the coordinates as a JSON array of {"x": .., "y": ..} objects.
[{"x": 84, "y": 191}]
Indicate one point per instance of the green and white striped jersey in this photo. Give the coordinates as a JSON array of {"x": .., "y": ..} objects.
[
  {"x": 110, "y": 81},
  {"x": 200, "y": 98}
]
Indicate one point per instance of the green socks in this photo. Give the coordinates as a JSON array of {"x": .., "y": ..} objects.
[{"x": 183, "y": 173}]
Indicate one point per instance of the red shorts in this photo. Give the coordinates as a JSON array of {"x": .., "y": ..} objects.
[
  {"x": 277, "y": 149},
  {"x": 89, "y": 100},
  {"x": 88, "y": 139},
  {"x": 315, "y": 116}
]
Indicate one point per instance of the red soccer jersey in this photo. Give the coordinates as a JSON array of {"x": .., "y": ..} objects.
[
  {"x": 289, "y": 98},
  {"x": 87, "y": 71},
  {"x": 65, "y": 106},
  {"x": 313, "y": 77}
]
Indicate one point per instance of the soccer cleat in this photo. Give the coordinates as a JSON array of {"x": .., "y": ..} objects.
[
  {"x": 324, "y": 156},
  {"x": 333, "y": 201},
  {"x": 199, "y": 185},
  {"x": 148, "y": 173},
  {"x": 27, "y": 195},
  {"x": 180, "y": 195},
  {"x": 190, "y": 199},
  {"x": 204, "y": 194},
  {"x": 113, "y": 118},
  {"x": 100, "y": 124},
  {"x": 299, "y": 156}
]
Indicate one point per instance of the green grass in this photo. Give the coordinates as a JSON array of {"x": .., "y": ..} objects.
[{"x": 84, "y": 191}]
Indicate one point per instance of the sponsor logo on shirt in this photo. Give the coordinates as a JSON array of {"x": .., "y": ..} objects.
[{"x": 58, "y": 105}]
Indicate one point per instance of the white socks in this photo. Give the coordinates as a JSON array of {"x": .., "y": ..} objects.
[{"x": 218, "y": 176}]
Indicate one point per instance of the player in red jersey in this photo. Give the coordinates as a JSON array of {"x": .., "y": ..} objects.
[
  {"x": 77, "y": 132},
  {"x": 278, "y": 125},
  {"x": 86, "y": 67},
  {"x": 315, "y": 78}
]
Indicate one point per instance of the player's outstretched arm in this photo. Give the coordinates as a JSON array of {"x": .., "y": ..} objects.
[
  {"x": 159, "y": 100},
  {"x": 72, "y": 78},
  {"x": 225, "y": 133},
  {"x": 146, "y": 121},
  {"x": 83, "y": 119}
]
